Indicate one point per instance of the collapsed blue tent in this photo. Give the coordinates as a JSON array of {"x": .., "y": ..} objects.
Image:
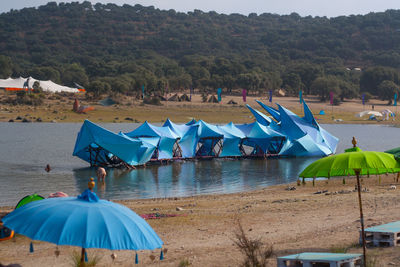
[
  {"x": 285, "y": 134},
  {"x": 260, "y": 117},
  {"x": 166, "y": 142},
  {"x": 305, "y": 137},
  {"x": 263, "y": 139},
  {"x": 187, "y": 135},
  {"x": 197, "y": 139},
  {"x": 101, "y": 147},
  {"x": 233, "y": 137},
  {"x": 209, "y": 139},
  {"x": 273, "y": 112}
]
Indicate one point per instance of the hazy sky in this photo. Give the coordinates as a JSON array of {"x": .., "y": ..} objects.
[{"x": 329, "y": 8}]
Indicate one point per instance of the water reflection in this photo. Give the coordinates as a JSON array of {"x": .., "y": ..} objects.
[{"x": 188, "y": 178}]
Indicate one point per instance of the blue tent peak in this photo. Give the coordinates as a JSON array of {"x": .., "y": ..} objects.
[
  {"x": 260, "y": 117},
  {"x": 273, "y": 112},
  {"x": 308, "y": 116}
]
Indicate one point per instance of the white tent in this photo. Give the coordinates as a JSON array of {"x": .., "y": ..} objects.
[
  {"x": 369, "y": 112},
  {"x": 47, "y": 86}
]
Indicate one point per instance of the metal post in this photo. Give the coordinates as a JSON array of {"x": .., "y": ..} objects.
[
  {"x": 83, "y": 257},
  {"x": 361, "y": 217}
]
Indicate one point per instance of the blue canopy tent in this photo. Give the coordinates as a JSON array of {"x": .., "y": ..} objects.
[
  {"x": 149, "y": 146},
  {"x": 101, "y": 147},
  {"x": 273, "y": 112},
  {"x": 260, "y": 117},
  {"x": 167, "y": 139},
  {"x": 191, "y": 122},
  {"x": 263, "y": 139},
  {"x": 188, "y": 142},
  {"x": 232, "y": 140},
  {"x": 187, "y": 135},
  {"x": 209, "y": 139},
  {"x": 197, "y": 139},
  {"x": 311, "y": 138},
  {"x": 286, "y": 134}
]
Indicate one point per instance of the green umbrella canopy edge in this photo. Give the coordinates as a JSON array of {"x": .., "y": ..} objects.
[{"x": 345, "y": 164}]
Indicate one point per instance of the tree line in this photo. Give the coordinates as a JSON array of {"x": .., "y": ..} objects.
[{"x": 106, "y": 47}]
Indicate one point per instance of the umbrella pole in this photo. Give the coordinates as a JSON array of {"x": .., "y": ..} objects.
[
  {"x": 361, "y": 217},
  {"x": 83, "y": 257}
]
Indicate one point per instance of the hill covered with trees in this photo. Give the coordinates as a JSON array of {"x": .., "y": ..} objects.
[{"x": 120, "y": 48}]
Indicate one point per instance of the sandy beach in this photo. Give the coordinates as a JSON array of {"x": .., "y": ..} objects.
[{"x": 203, "y": 233}]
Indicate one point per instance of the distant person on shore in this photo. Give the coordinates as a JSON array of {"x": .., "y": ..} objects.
[
  {"x": 101, "y": 174},
  {"x": 48, "y": 168}
]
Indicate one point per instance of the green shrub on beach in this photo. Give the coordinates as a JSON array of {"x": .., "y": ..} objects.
[
  {"x": 184, "y": 263},
  {"x": 93, "y": 260},
  {"x": 256, "y": 253}
]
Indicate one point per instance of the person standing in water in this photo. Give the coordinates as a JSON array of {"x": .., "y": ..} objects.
[{"x": 101, "y": 174}]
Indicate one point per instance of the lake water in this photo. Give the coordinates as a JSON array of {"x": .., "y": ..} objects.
[{"x": 26, "y": 148}]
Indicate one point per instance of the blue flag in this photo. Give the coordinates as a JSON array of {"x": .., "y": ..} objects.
[
  {"x": 363, "y": 99},
  {"x": 270, "y": 96},
  {"x": 395, "y": 100},
  {"x": 219, "y": 91},
  {"x": 142, "y": 91},
  {"x": 301, "y": 96}
]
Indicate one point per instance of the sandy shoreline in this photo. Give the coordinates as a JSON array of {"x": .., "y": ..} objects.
[{"x": 292, "y": 221}]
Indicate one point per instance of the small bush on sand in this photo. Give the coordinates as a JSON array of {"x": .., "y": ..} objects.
[
  {"x": 256, "y": 253},
  {"x": 184, "y": 263},
  {"x": 93, "y": 260}
]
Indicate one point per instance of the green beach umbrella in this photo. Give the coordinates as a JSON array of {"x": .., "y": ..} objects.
[
  {"x": 347, "y": 164},
  {"x": 28, "y": 199},
  {"x": 354, "y": 162}
]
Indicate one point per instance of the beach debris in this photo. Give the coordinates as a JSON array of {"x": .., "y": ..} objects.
[
  {"x": 10, "y": 120},
  {"x": 113, "y": 256},
  {"x": 39, "y": 119},
  {"x": 320, "y": 192},
  {"x": 149, "y": 216},
  {"x": 152, "y": 257},
  {"x": 290, "y": 188},
  {"x": 57, "y": 252},
  {"x": 286, "y": 200},
  {"x": 18, "y": 118},
  {"x": 26, "y": 120},
  {"x": 231, "y": 102},
  {"x": 179, "y": 208},
  {"x": 392, "y": 187}
]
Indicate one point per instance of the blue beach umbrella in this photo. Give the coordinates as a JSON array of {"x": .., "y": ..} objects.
[{"x": 84, "y": 221}]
